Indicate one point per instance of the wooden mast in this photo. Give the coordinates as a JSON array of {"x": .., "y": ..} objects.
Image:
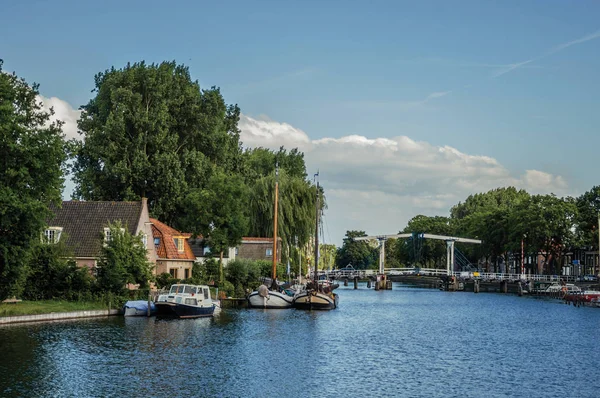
[
  {"x": 274, "y": 273},
  {"x": 316, "y": 277}
]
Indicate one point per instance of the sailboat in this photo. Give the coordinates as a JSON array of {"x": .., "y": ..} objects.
[
  {"x": 317, "y": 296},
  {"x": 273, "y": 296}
]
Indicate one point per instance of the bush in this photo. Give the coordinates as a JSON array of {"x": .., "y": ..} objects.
[{"x": 165, "y": 280}]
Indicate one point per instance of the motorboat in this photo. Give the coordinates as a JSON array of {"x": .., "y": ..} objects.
[
  {"x": 138, "y": 308},
  {"x": 186, "y": 301}
]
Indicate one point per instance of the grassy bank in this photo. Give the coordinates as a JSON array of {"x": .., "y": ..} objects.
[{"x": 48, "y": 306}]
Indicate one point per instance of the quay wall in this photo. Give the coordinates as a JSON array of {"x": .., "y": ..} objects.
[{"x": 57, "y": 316}]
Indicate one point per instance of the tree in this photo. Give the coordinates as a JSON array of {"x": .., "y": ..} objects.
[
  {"x": 588, "y": 208},
  {"x": 54, "y": 274},
  {"x": 424, "y": 251},
  {"x": 151, "y": 132},
  {"x": 359, "y": 254},
  {"x": 546, "y": 224},
  {"x": 327, "y": 254},
  {"x": 217, "y": 213},
  {"x": 122, "y": 261},
  {"x": 32, "y": 162}
]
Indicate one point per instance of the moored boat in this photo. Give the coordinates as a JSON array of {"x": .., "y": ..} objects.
[
  {"x": 271, "y": 299},
  {"x": 186, "y": 301},
  {"x": 138, "y": 308},
  {"x": 318, "y": 294}
]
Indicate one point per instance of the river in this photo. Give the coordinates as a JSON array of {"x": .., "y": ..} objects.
[{"x": 404, "y": 342}]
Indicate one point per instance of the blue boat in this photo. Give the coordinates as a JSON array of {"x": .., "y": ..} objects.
[{"x": 138, "y": 308}]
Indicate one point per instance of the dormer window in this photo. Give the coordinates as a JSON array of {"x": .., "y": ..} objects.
[
  {"x": 179, "y": 244},
  {"x": 52, "y": 235},
  {"x": 156, "y": 242}
]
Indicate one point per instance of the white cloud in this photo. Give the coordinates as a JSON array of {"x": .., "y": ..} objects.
[
  {"x": 62, "y": 111},
  {"x": 378, "y": 184}
]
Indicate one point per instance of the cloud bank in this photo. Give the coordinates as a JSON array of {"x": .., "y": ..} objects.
[
  {"x": 62, "y": 111},
  {"x": 378, "y": 184}
]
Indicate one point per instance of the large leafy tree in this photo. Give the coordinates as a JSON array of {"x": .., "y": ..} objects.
[
  {"x": 32, "y": 159},
  {"x": 226, "y": 223},
  {"x": 359, "y": 254},
  {"x": 588, "y": 208},
  {"x": 546, "y": 224},
  {"x": 150, "y": 131}
]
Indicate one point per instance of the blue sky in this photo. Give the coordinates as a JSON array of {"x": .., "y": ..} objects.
[{"x": 515, "y": 81}]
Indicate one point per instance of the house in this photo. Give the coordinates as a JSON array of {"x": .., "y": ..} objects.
[
  {"x": 250, "y": 248},
  {"x": 84, "y": 227},
  {"x": 258, "y": 249},
  {"x": 174, "y": 254}
]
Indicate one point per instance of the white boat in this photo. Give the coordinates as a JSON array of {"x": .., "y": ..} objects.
[
  {"x": 138, "y": 308},
  {"x": 186, "y": 301},
  {"x": 272, "y": 299}
]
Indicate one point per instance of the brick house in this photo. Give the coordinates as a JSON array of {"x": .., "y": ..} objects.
[
  {"x": 250, "y": 248},
  {"x": 84, "y": 227},
  {"x": 174, "y": 254},
  {"x": 258, "y": 249}
]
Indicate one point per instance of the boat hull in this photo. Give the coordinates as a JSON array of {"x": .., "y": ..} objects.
[
  {"x": 274, "y": 300},
  {"x": 316, "y": 301},
  {"x": 165, "y": 308},
  {"x": 191, "y": 311}
]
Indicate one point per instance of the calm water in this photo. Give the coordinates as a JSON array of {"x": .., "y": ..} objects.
[{"x": 405, "y": 342}]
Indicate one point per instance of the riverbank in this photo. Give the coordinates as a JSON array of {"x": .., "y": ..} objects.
[
  {"x": 49, "y": 306},
  {"x": 57, "y": 316}
]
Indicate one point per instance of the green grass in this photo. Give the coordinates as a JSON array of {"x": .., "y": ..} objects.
[{"x": 48, "y": 306}]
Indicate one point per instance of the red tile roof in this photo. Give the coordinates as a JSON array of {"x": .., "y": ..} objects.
[{"x": 166, "y": 246}]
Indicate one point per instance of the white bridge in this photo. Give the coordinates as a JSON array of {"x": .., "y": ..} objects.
[
  {"x": 448, "y": 239},
  {"x": 484, "y": 276}
]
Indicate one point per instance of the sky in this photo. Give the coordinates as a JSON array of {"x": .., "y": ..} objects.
[{"x": 404, "y": 107}]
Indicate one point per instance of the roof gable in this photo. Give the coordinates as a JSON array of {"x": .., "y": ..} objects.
[
  {"x": 83, "y": 222},
  {"x": 166, "y": 247}
]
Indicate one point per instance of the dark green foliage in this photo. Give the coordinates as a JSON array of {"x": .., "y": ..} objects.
[
  {"x": 123, "y": 260},
  {"x": 165, "y": 280},
  {"x": 32, "y": 160},
  {"x": 588, "y": 208},
  {"x": 359, "y": 254},
  {"x": 52, "y": 275},
  {"x": 150, "y": 131}
]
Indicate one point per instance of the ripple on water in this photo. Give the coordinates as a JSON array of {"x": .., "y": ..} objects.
[{"x": 404, "y": 342}]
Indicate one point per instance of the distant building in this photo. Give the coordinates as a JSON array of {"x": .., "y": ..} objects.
[
  {"x": 251, "y": 248},
  {"x": 83, "y": 225},
  {"x": 174, "y": 254},
  {"x": 258, "y": 249}
]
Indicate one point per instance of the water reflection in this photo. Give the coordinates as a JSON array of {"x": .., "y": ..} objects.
[{"x": 404, "y": 342}]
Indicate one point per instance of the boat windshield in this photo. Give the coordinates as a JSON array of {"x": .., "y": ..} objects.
[
  {"x": 206, "y": 294},
  {"x": 176, "y": 289},
  {"x": 189, "y": 289}
]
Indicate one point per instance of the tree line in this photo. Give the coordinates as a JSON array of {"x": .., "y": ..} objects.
[
  {"x": 148, "y": 131},
  {"x": 504, "y": 219}
]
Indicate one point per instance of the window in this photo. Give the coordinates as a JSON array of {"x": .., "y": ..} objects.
[
  {"x": 173, "y": 272},
  {"x": 206, "y": 294},
  {"x": 145, "y": 240},
  {"x": 156, "y": 242},
  {"x": 237, "y": 251},
  {"x": 178, "y": 244},
  {"x": 269, "y": 252},
  {"x": 52, "y": 235},
  {"x": 108, "y": 234},
  {"x": 206, "y": 250},
  {"x": 186, "y": 273}
]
